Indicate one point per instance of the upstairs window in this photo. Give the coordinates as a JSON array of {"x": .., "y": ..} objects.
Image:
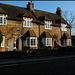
[
  {"x": 64, "y": 27},
  {"x": 27, "y": 22},
  {"x": 3, "y": 20},
  {"x": 48, "y": 25}
]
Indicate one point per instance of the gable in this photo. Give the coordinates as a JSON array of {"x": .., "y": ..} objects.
[{"x": 17, "y": 13}]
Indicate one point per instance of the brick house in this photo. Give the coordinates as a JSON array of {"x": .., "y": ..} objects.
[{"x": 24, "y": 28}]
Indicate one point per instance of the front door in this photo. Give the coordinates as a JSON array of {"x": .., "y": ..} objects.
[{"x": 11, "y": 44}]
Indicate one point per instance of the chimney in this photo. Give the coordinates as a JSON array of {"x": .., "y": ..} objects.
[
  {"x": 59, "y": 12},
  {"x": 30, "y": 6}
]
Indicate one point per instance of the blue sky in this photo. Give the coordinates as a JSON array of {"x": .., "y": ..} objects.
[{"x": 49, "y": 6}]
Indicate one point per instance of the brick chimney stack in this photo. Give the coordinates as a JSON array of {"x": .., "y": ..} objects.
[
  {"x": 30, "y": 6},
  {"x": 59, "y": 12}
]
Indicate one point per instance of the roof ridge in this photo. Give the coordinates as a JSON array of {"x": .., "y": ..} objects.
[{"x": 45, "y": 11}]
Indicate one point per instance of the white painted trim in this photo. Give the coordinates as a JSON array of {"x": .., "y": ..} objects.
[
  {"x": 30, "y": 41},
  {"x": 3, "y": 42},
  {"x": 26, "y": 22},
  {"x": 45, "y": 42},
  {"x": 3, "y": 19},
  {"x": 49, "y": 26},
  {"x": 65, "y": 25}
]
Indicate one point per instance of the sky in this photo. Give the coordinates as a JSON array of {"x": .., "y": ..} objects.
[{"x": 49, "y": 6}]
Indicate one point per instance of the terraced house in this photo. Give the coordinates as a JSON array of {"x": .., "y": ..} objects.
[{"x": 28, "y": 28}]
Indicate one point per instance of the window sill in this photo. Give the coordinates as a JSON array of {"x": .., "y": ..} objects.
[
  {"x": 2, "y": 46},
  {"x": 31, "y": 46},
  {"x": 3, "y": 24},
  {"x": 27, "y": 27},
  {"x": 47, "y": 28}
]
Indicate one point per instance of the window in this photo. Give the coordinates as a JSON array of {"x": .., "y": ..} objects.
[
  {"x": 27, "y": 23},
  {"x": 64, "y": 28},
  {"x": 3, "y": 20},
  {"x": 48, "y": 26},
  {"x": 31, "y": 42},
  {"x": 47, "y": 41},
  {"x": 3, "y": 42},
  {"x": 68, "y": 42}
]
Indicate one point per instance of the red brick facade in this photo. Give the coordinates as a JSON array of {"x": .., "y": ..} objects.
[{"x": 14, "y": 30}]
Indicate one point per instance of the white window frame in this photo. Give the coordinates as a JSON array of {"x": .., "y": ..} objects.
[
  {"x": 26, "y": 23},
  {"x": 3, "y": 19},
  {"x": 50, "y": 24},
  {"x": 65, "y": 27},
  {"x": 69, "y": 42},
  {"x": 44, "y": 41},
  {"x": 3, "y": 42},
  {"x": 30, "y": 41}
]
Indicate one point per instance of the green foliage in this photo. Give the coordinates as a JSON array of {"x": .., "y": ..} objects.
[
  {"x": 55, "y": 36},
  {"x": 1, "y": 37}
]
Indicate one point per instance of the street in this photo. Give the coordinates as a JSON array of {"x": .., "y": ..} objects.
[{"x": 59, "y": 66}]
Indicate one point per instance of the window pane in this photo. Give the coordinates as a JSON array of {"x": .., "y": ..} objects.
[
  {"x": 27, "y": 23},
  {"x": 34, "y": 42},
  {"x": 31, "y": 42},
  {"x": 1, "y": 20},
  {"x": 49, "y": 41},
  {"x": 50, "y": 26},
  {"x": 46, "y": 25},
  {"x": 5, "y": 20},
  {"x": 30, "y": 23}
]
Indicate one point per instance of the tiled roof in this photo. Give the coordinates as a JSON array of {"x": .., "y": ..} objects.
[
  {"x": 66, "y": 36},
  {"x": 45, "y": 34},
  {"x": 30, "y": 33},
  {"x": 2, "y": 11},
  {"x": 17, "y": 13}
]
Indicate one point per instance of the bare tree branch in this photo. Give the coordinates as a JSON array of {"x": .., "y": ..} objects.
[{"x": 70, "y": 18}]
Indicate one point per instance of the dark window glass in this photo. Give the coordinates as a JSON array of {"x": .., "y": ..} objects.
[
  {"x": 0, "y": 19},
  {"x": 5, "y": 20}
]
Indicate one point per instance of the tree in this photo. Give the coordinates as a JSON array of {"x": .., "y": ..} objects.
[
  {"x": 70, "y": 18},
  {"x": 1, "y": 37}
]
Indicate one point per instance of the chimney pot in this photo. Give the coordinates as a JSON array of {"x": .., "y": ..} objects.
[
  {"x": 30, "y": 6},
  {"x": 59, "y": 11}
]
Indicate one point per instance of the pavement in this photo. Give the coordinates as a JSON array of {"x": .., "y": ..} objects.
[{"x": 36, "y": 59}]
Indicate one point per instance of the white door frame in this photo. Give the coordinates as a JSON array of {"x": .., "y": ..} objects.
[
  {"x": 20, "y": 44},
  {"x": 10, "y": 44}
]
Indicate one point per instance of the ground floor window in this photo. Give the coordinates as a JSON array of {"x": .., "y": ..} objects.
[
  {"x": 3, "y": 42},
  {"x": 68, "y": 42},
  {"x": 47, "y": 41},
  {"x": 31, "y": 41}
]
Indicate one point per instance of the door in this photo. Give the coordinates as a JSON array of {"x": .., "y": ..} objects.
[
  {"x": 65, "y": 42},
  {"x": 11, "y": 44}
]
